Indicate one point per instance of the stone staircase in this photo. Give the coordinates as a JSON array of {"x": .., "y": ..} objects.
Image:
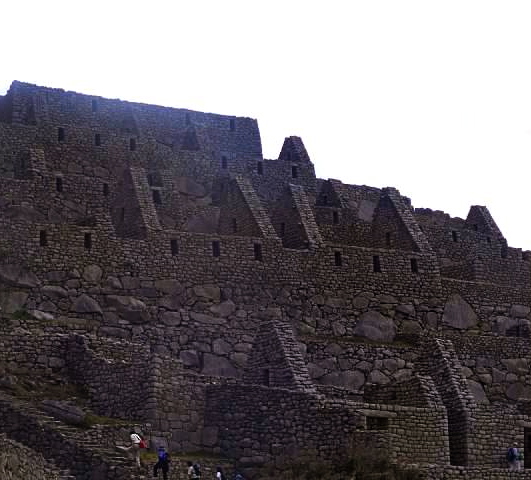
[{"x": 75, "y": 452}]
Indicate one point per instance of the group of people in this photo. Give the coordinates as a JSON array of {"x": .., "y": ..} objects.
[{"x": 163, "y": 461}]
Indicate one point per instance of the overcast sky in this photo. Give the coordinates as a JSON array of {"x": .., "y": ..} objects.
[{"x": 431, "y": 97}]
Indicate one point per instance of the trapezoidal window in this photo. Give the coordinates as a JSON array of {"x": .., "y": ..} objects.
[
  {"x": 105, "y": 189},
  {"x": 455, "y": 238},
  {"x": 232, "y": 124},
  {"x": 94, "y": 105},
  {"x": 414, "y": 265},
  {"x": 157, "y": 199},
  {"x": 59, "y": 184},
  {"x": 97, "y": 139},
  {"x": 88, "y": 241},
  {"x": 60, "y": 134},
  {"x": 132, "y": 144},
  {"x": 266, "y": 377},
  {"x": 294, "y": 171},
  {"x": 377, "y": 423},
  {"x": 174, "y": 247},
  {"x": 259, "y": 168},
  {"x": 216, "y": 248},
  {"x": 376, "y": 267},
  {"x": 258, "y": 252},
  {"x": 338, "y": 261},
  {"x": 335, "y": 218},
  {"x": 43, "y": 238},
  {"x": 224, "y": 162}
]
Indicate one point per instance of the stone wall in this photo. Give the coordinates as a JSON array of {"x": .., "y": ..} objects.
[
  {"x": 252, "y": 422},
  {"x": 18, "y": 462}
]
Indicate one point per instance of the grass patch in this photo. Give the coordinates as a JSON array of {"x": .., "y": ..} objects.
[
  {"x": 22, "y": 314},
  {"x": 91, "y": 420}
]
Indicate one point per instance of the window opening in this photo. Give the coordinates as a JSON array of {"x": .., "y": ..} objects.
[
  {"x": 187, "y": 119},
  {"x": 414, "y": 265},
  {"x": 97, "y": 139},
  {"x": 260, "y": 168},
  {"x": 223, "y": 162},
  {"x": 174, "y": 246},
  {"x": 335, "y": 217},
  {"x": 216, "y": 250},
  {"x": 258, "y": 252},
  {"x": 294, "y": 173},
  {"x": 282, "y": 229},
  {"x": 234, "y": 225},
  {"x": 265, "y": 377},
  {"x": 376, "y": 267},
  {"x": 105, "y": 189},
  {"x": 377, "y": 423},
  {"x": 94, "y": 105},
  {"x": 388, "y": 239},
  {"x": 156, "y": 197},
  {"x": 150, "y": 179},
  {"x": 232, "y": 125},
  {"x": 88, "y": 241},
  {"x": 132, "y": 144},
  {"x": 454, "y": 236},
  {"x": 43, "y": 238},
  {"x": 59, "y": 184},
  {"x": 325, "y": 199},
  {"x": 337, "y": 259},
  {"x": 122, "y": 214},
  {"x": 60, "y": 134}
]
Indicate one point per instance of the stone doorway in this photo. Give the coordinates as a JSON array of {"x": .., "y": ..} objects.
[{"x": 527, "y": 447}]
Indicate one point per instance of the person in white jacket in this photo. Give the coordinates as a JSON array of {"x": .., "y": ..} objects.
[{"x": 134, "y": 448}]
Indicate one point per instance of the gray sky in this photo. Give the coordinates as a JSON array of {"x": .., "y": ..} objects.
[{"x": 431, "y": 97}]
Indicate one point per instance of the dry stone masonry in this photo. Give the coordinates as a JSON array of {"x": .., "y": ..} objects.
[{"x": 241, "y": 307}]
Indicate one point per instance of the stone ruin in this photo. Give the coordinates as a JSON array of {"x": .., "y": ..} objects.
[{"x": 241, "y": 307}]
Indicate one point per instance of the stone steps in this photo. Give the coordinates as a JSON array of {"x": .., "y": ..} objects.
[{"x": 76, "y": 457}]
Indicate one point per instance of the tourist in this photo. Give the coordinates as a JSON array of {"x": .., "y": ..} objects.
[
  {"x": 163, "y": 463},
  {"x": 219, "y": 474},
  {"x": 135, "y": 446},
  {"x": 193, "y": 470},
  {"x": 513, "y": 457}
]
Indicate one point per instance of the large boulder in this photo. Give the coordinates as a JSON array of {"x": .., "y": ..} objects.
[
  {"x": 218, "y": 366},
  {"x": 63, "y": 411},
  {"x": 129, "y": 308},
  {"x": 10, "y": 301},
  {"x": 374, "y": 326},
  {"x": 17, "y": 276},
  {"x": 517, "y": 391},
  {"x": 86, "y": 304},
  {"x": 458, "y": 313},
  {"x": 477, "y": 391},
  {"x": 208, "y": 292},
  {"x": 350, "y": 379},
  {"x": 92, "y": 273}
]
